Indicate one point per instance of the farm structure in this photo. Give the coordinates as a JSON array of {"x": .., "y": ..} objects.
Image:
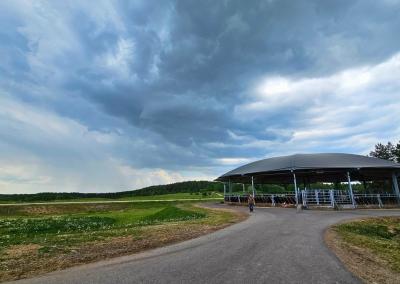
[{"x": 304, "y": 172}]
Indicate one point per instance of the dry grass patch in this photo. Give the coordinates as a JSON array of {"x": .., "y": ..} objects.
[{"x": 18, "y": 251}]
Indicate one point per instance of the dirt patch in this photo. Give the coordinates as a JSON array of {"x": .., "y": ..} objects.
[
  {"x": 360, "y": 261},
  {"x": 22, "y": 250},
  {"x": 31, "y": 260}
]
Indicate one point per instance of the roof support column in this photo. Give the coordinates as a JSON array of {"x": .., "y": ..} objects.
[
  {"x": 243, "y": 187},
  {"x": 252, "y": 185},
  {"x": 350, "y": 190},
  {"x": 224, "y": 189},
  {"x": 295, "y": 188},
  {"x": 230, "y": 190},
  {"x": 396, "y": 186}
]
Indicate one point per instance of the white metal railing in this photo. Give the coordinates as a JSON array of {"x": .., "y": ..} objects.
[
  {"x": 319, "y": 197},
  {"x": 273, "y": 199}
]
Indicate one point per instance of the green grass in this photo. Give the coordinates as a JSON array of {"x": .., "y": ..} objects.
[
  {"x": 57, "y": 200},
  {"x": 163, "y": 197},
  {"x": 379, "y": 235},
  {"x": 38, "y": 238},
  {"x": 70, "y": 225},
  {"x": 170, "y": 214},
  {"x": 174, "y": 196}
]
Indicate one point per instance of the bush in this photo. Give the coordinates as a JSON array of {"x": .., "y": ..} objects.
[
  {"x": 369, "y": 230},
  {"x": 171, "y": 213}
]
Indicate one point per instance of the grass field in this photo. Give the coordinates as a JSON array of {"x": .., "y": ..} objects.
[
  {"x": 39, "y": 238},
  {"x": 166, "y": 197},
  {"x": 176, "y": 196},
  {"x": 371, "y": 247}
]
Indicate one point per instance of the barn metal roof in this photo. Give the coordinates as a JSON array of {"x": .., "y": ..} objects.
[{"x": 327, "y": 165}]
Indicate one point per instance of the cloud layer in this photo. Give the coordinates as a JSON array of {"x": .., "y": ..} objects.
[{"x": 123, "y": 94}]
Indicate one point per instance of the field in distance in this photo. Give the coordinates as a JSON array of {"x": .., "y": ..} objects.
[
  {"x": 162, "y": 197},
  {"x": 178, "y": 196}
]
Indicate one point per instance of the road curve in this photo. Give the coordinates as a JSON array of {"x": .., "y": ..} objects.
[{"x": 274, "y": 245}]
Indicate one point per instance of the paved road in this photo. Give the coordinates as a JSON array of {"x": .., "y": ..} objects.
[{"x": 274, "y": 245}]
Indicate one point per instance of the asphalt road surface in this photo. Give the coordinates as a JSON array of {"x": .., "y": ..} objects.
[{"x": 274, "y": 245}]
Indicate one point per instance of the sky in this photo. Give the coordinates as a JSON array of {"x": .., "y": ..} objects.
[{"x": 103, "y": 96}]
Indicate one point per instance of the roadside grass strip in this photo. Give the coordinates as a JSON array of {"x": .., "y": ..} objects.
[{"x": 381, "y": 236}]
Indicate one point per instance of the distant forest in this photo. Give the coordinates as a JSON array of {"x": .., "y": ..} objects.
[{"x": 187, "y": 186}]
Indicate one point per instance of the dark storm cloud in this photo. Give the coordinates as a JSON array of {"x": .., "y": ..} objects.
[{"x": 216, "y": 53}]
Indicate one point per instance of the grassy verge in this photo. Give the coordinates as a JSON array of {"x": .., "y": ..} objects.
[
  {"x": 370, "y": 248},
  {"x": 36, "y": 239}
]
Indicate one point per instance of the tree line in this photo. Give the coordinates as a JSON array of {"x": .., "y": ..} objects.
[{"x": 187, "y": 186}]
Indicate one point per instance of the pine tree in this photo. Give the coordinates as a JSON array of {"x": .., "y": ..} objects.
[
  {"x": 386, "y": 152},
  {"x": 396, "y": 152}
]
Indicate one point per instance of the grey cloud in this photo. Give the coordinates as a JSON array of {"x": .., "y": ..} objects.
[{"x": 166, "y": 78}]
